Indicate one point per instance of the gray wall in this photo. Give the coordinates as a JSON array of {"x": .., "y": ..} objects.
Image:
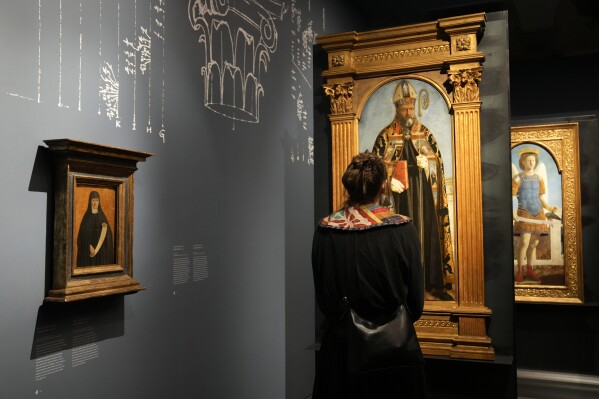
[
  {"x": 245, "y": 195},
  {"x": 241, "y": 193}
]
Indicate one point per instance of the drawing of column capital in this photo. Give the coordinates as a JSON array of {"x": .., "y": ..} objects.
[{"x": 237, "y": 39}]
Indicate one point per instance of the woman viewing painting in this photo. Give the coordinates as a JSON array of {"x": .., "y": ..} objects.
[{"x": 368, "y": 256}]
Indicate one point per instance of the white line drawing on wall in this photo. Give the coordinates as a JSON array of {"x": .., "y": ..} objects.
[
  {"x": 110, "y": 91},
  {"x": 80, "y": 56},
  {"x": 142, "y": 48},
  {"x": 77, "y": 45},
  {"x": 70, "y": 55},
  {"x": 302, "y": 150},
  {"x": 39, "y": 50},
  {"x": 237, "y": 39},
  {"x": 301, "y": 58},
  {"x": 60, "y": 103},
  {"x": 302, "y": 40},
  {"x": 138, "y": 57},
  {"x": 159, "y": 32},
  {"x": 310, "y": 150},
  {"x": 101, "y": 62}
]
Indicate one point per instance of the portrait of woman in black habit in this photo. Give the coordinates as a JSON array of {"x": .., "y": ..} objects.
[
  {"x": 368, "y": 256},
  {"x": 94, "y": 241}
]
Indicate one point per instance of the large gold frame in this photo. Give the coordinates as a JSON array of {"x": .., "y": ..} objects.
[
  {"x": 443, "y": 52},
  {"x": 561, "y": 141}
]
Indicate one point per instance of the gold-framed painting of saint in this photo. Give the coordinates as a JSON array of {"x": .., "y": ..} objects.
[
  {"x": 546, "y": 213},
  {"x": 406, "y": 121}
]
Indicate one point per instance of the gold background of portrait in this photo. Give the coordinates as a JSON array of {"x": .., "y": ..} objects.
[{"x": 80, "y": 203}]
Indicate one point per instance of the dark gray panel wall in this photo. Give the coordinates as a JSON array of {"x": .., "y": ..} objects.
[
  {"x": 495, "y": 145},
  {"x": 534, "y": 101},
  {"x": 242, "y": 195},
  {"x": 233, "y": 199}
]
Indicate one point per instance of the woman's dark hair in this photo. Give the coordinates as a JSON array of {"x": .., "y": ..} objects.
[{"x": 363, "y": 179}]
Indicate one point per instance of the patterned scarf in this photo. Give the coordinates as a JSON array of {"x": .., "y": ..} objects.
[{"x": 362, "y": 218}]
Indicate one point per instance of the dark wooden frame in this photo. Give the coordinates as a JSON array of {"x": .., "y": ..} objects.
[{"x": 80, "y": 164}]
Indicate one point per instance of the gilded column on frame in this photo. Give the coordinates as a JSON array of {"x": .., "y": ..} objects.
[
  {"x": 468, "y": 189},
  {"x": 466, "y": 109},
  {"x": 343, "y": 136}
]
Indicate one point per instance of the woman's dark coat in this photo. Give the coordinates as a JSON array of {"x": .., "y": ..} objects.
[{"x": 372, "y": 256}]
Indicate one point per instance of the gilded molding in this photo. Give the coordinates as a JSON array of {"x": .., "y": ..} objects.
[
  {"x": 465, "y": 85},
  {"x": 435, "y": 323},
  {"x": 390, "y": 55},
  {"x": 340, "y": 95}
]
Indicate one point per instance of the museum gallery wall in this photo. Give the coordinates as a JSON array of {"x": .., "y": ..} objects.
[
  {"x": 239, "y": 157},
  {"x": 223, "y": 218}
]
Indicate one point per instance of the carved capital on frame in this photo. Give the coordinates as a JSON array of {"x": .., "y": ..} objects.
[
  {"x": 340, "y": 95},
  {"x": 464, "y": 84}
]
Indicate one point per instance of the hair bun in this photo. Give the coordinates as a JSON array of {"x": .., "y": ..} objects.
[
  {"x": 366, "y": 160},
  {"x": 363, "y": 178}
]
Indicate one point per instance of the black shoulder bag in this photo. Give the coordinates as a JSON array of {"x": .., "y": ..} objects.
[{"x": 373, "y": 347}]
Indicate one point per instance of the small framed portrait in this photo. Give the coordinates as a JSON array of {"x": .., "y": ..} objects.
[
  {"x": 546, "y": 214},
  {"x": 93, "y": 220}
]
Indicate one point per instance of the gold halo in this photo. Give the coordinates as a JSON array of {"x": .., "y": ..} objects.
[{"x": 528, "y": 150}]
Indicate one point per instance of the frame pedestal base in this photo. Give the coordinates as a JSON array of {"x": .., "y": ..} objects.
[{"x": 85, "y": 289}]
